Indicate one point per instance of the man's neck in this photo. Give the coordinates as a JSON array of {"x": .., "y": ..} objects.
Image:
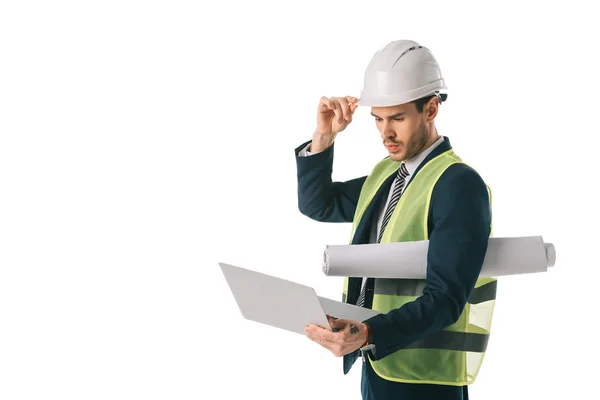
[
  {"x": 414, "y": 162},
  {"x": 427, "y": 145}
]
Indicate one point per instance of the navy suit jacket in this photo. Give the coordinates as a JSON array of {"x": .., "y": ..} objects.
[{"x": 459, "y": 228}]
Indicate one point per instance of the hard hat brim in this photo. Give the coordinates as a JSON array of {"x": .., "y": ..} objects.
[{"x": 389, "y": 101}]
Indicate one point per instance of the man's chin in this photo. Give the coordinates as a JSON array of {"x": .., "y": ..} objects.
[{"x": 397, "y": 156}]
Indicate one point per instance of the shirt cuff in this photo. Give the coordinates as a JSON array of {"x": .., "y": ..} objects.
[{"x": 305, "y": 151}]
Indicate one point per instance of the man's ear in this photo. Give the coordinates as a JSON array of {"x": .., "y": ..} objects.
[{"x": 430, "y": 110}]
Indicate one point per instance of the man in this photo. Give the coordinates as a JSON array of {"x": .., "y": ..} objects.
[{"x": 430, "y": 336}]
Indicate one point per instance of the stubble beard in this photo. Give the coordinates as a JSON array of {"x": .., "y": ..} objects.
[{"x": 415, "y": 145}]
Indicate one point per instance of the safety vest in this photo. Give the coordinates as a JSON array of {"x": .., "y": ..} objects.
[{"x": 454, "y": 355}]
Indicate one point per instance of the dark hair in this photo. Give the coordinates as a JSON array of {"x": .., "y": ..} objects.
[{"x": 420, "y": 103}]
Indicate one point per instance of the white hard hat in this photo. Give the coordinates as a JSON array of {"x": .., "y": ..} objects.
[{"x": 399, "y": 73}]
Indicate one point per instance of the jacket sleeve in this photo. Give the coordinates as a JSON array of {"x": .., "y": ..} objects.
[
  {"x": 318, "y": 197},
  {"x": 459, "y": 223}
]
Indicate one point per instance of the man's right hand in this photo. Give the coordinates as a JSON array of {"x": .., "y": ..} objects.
[{"x": 334, "y": 114}]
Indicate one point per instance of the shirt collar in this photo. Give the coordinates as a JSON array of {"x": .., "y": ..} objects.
[{"x": 413, "y": 163}]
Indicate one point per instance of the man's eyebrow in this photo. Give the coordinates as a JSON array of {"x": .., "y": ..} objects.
[{"x": 391, "y": 116}]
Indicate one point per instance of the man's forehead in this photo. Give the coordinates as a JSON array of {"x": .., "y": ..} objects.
[{"x": 386, "y": 112}]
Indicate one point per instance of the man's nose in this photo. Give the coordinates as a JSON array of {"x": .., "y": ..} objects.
[{"x": 386, "y": 130}]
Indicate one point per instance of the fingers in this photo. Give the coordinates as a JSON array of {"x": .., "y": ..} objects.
[
  {"x": 335, "y": 348},
  {"x": 331, "y": 321},
  {"x": 327, "y": 104},
  {"x": 352, "y": 105},
  {"x": 337, "y": 109},
  {"x": 316, "y": 335},
  {"x": 343, "y": 107},
  {"x": 323, "y": 334},
  {"x": 345, "y": 110}
]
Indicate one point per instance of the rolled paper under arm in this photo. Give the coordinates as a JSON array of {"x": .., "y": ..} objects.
[{"x": 408, "y": 260}]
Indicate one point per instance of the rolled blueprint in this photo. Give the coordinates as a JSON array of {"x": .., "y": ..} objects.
[{"x": 408, "y": 260}]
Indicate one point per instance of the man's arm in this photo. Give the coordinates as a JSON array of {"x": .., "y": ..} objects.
[
  {"x": 318, "y": 197},
  {"x": 460, "y": 219}
]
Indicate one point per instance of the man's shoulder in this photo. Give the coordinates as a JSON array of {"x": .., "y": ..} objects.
[
  {"x": 460, "y": 191},
  {"x": 461, "y": 171},
  {"x": 459, "y": 177}
]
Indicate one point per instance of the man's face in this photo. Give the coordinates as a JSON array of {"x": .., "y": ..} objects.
[{"x": 403, "y": 130}]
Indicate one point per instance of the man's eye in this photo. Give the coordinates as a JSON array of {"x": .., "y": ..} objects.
[
  {"x": 398, "y": 119},
  {"x": 378, "y": 119}
]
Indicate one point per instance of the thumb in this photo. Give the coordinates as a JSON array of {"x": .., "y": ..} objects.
[{"x": 336, "y": 324}]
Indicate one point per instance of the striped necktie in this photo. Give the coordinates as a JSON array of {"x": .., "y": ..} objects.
[{"x": 396, "y": 194}]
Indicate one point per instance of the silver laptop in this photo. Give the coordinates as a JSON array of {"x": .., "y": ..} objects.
[{"x": 274, "y": 301}]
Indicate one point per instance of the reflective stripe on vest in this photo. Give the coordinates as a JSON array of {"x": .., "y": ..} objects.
[
  {"x": 414, "y": 287},
  {"x": 452, "y": 356}
]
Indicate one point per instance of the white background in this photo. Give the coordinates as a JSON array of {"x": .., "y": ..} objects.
[{"x": 143, "y": 142}]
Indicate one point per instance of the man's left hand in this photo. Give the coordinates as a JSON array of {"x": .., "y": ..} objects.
[{"x": 346, "y": 337}]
